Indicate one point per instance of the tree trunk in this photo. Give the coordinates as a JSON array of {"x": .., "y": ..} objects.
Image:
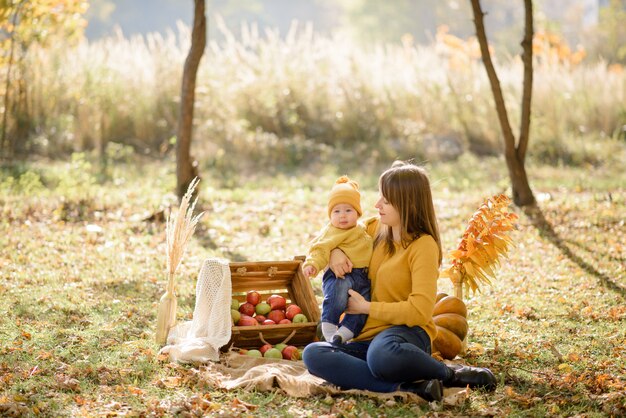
[
  {"x": 4, "y": 148},
  {"x": 185, "y": 167},
  {"x": 527, "y": 59},
  {"x": 515, "y": 155}
]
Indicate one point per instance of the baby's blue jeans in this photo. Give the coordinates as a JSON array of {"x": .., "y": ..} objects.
[{"x": 336, "y": 295}]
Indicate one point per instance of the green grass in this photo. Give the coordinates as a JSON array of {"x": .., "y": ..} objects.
[{"x": 78, "y": 306}]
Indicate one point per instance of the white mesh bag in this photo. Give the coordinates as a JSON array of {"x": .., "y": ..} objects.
[{"x": 200, "y": 339}]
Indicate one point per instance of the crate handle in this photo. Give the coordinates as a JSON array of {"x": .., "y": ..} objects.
[
  {"x": 242, "y": 270},
  {"x": 272, "y": 271},
  {"x": 285, "y": 341}
]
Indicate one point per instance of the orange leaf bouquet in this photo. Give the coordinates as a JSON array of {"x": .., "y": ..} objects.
[{"x": 485, "y": 239}]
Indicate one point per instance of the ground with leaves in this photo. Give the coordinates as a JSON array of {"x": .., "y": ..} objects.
[{"x": 82, "y": 266}]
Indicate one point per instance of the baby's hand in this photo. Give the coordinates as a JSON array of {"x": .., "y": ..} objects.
[{"x": 309, "y": 271}]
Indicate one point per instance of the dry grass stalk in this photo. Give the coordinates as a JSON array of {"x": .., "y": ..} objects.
[{"x": 178, "y": 231}]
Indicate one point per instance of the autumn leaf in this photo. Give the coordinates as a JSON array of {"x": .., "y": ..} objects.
[
  {"x": 484, "y": 241},
  {"x": 65, "y": 382}
]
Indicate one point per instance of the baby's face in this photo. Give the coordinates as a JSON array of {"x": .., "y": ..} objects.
[{"x": 343, "y": 216}]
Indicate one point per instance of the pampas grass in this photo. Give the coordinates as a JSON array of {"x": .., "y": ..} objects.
[
  {"x": 178, "y": 232},
  {"x": 287, "y": 101}
]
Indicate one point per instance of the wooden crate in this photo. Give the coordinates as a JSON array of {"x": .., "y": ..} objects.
[{"x": 283, "y": 278}]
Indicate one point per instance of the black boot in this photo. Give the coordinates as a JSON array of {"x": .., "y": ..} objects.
[
  {"x": 430, "y": 390},
  {"x": 474, "y": 377}
]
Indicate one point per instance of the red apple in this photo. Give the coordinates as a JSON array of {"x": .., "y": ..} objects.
[
  {"x": 291, "y": 353},
  {"x": 247, "y": 309},
  {"x": 277, "y": 302},
  {"x": 276, "y": 315},
  {"x": 285, "y": 321},
  {"x": 268, "y": 322},
  {"x": 265, "y": 347},
  {"x": 253, "y": 297},
  {"x": 292, "y": 310},
  {"x": 246, "y": 321},
  {"x": 260, "y": 318}
]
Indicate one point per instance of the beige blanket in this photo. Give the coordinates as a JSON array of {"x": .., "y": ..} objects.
[{"x": 240, "y": 371}]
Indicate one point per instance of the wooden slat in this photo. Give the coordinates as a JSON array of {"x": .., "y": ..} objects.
[
  {"x": 303, "y": 293},
  {"x": 242, "y": 296},
  {"x": 250, "y": 337},
  {"x": 264, "y": 266},
  {"x": 240, "y": 284},
  {"x": 264, "y": 273}
]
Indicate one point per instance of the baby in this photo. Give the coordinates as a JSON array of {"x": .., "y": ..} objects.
[{"x": 343, "y": 232}]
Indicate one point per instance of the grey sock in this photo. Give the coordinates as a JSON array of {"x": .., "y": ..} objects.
[
  {"x": 328, "y": 330},
  {"x": 345, "y": 334}
]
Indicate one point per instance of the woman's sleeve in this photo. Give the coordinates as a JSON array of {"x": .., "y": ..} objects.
[
  {"x": 371, "y": 225},
  {"x": 420, "y": 304}
]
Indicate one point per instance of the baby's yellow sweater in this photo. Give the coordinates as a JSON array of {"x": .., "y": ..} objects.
[
  {"x": 355, "y": 242},
  {"x": 404, "y": 286}
]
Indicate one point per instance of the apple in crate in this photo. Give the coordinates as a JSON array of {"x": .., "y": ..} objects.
[
  {"x": 292, "y": 310},
  {"x": 262, "y": 308},
  {"x": 277, "y": 302},
  {"x": 235, "y": 315},
  {"x": 253, "y": 297},
  {"x": 276, "y": 315},
  {"x": 268, "y": 322},
  {"x": 285, "y": 321},
  {"x": 299, "y": 318},
  {"x": 234, "y": 304},
  {"x": 246, "y": 321},
  {"x": 260, "y": 318},
  {"x": 247, "y": 309}
]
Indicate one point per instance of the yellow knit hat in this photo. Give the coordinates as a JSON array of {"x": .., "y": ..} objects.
[{"x": 345, "y": 191}]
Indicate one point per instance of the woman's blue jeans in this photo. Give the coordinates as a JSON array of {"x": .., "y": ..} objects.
[{"x": 396, "y": 355}]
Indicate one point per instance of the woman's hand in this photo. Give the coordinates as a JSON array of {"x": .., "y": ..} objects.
[
  {"x": 357, "y": 303},
  {"x": 339, "y": 263}
]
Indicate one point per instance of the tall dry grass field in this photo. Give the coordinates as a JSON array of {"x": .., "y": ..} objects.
[{"x": 295, "y": 99}]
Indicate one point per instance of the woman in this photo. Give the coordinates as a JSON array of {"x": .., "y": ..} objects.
[{"x": 393, "y": 350}]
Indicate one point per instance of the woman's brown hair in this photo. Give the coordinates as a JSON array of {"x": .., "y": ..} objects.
[{"x": 407, "y": 188}]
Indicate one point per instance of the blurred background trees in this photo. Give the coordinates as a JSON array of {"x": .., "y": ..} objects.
[
  {"x": 353, "y": 80},
  {"x": 25, "y": 25}
]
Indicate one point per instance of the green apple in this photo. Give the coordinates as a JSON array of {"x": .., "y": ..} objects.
[
  {"x": 299, "y": 318},
  {"x": 234, "y": 304},
  {"x": 254, "y": 353},
  {"x": 235, "y": 315},
  {"x": 273, "y": 353},
  {"x": 280, "y": 346},
  {"x": 262, "y": 308}
]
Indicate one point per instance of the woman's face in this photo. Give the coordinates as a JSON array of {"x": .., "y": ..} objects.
[{"x": 388, "y": 214}]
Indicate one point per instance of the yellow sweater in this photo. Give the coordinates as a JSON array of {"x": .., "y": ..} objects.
[
  {"x": 355, "y": 242},
  {"x": 404, "y": 286}
]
